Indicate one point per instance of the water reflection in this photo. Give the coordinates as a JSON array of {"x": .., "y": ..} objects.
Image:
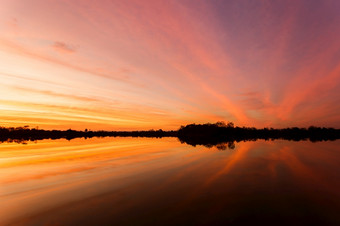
[{"x": 161, "y": 181}]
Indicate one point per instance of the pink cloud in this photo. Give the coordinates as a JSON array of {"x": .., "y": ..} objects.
[
  {"x": 190, "y": 59},
  {"x": 63, "y": 47}
]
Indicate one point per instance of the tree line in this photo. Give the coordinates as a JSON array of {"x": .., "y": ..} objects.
[
  {"x": 209, "y": 134},
  {"x": 226, "y": 133}
]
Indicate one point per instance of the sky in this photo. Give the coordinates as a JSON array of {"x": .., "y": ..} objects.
[{"x": 126, "y": 65}]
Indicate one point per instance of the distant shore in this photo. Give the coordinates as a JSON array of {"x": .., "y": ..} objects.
[
  {"x": 194, "y": 134},
  {"x": 21, "y": 134}
]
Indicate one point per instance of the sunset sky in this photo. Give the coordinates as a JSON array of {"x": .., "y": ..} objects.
[{"x": 133, "y": 64}]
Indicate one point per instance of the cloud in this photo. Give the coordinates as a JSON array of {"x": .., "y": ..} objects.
[
  {"x": 55, "y": 94},
  {"x": 193, "y": 61},
  {"x": 13, "y": 47},
  {"x": 63, "y": 47}
]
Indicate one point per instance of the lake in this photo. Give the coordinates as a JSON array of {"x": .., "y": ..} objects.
[{"x": 150, "y": 181}]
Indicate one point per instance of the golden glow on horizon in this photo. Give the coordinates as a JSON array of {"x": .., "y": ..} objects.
[{"x": 150, "y": 64}]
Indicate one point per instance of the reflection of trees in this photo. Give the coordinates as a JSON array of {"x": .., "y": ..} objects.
[
  {"x": 224, "y": 135},
  {"x": 221, "y": 146},
  {"x": 221, "y": 134},
  {"x": 225, "y": 146},
  {"x": 23, "y": 134}
]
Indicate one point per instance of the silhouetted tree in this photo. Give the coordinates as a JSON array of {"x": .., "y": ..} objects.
[{"x": 220, "y": 133}]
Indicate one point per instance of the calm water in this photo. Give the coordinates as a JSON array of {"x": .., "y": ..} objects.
[{"x": 148, "y": 181}]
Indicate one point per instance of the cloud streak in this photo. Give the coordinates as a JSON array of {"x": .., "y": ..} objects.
[
  {"x": 161, "y": 64},
  {"x": 63, "y": 47}
]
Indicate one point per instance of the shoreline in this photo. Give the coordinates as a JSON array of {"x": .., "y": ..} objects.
[{"x": 193, "y": 134}]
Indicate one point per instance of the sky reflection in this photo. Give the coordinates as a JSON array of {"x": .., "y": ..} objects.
[{"x": 148, "y": 181}]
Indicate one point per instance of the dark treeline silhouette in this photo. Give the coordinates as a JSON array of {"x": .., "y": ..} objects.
[
  {"x": 23, "y": 134},
  {"x": 224, "y": 135},
  {"x": 219, "y": 134}
]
